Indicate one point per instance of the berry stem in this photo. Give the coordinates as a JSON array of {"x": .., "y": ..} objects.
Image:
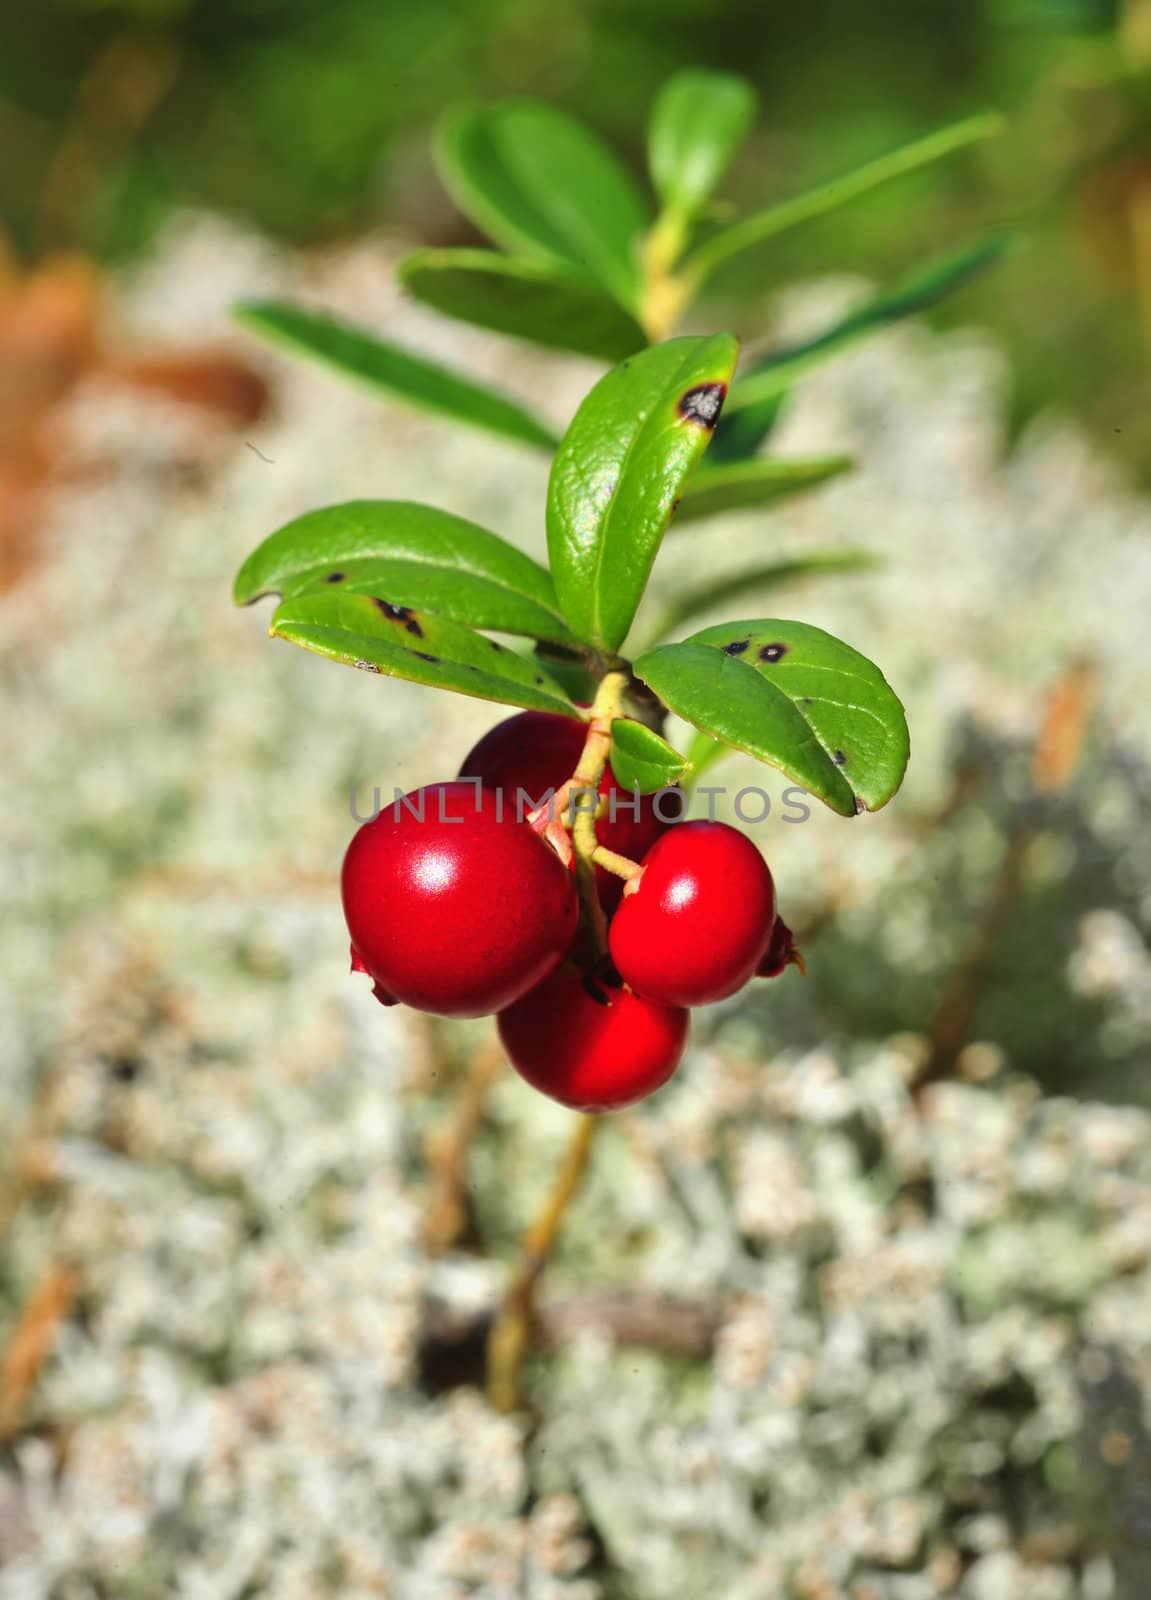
[
  {"x": 511, "y": 1331},
  {"x": 605, "y": 709},
  {"x": 611, "y": 861}
]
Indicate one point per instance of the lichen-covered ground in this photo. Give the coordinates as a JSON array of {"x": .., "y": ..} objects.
[{"x": 810, "y": 1335}]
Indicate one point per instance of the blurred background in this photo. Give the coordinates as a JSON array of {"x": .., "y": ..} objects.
[
  {"x": 856, "y": 1309},
  {"x": 312, "y": 123}
]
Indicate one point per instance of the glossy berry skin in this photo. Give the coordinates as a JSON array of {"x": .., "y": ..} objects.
[
  {"x": 592, "y": 1047},
  {"x": 695, "y": 924},
  {"x": 537, "y": 751},
  {"x": 460, "y": 913}
]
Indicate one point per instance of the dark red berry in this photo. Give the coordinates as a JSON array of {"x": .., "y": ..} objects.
[
  {"x": 590, "y": 1046},
  {"x": 536, "y": 751},
  {"x": 451, "y": 909},
  {"x": 694, "y": 924}
]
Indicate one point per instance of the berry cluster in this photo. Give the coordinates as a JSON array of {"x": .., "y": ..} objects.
[{"x": 460, "y": 905}]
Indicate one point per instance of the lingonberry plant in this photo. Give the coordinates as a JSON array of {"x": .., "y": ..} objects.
[
  {"x": 500, "y": 891},
  {"x": 551, "y": 881}
]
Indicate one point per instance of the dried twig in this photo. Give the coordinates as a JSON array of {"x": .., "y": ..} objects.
[{"x": 30, "y": 1344}]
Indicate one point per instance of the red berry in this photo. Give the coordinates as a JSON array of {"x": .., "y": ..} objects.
[
  {"x": 537, "y": 751},
  {"x": 459, "y": 913},
  {"x": 695, "y": 923},
  {"x": 592, "y": 1047}
]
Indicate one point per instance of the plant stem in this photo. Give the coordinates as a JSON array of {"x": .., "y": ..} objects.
[
  {"x": 612, "y": 861},
  {"x": 508, "y": 1340},
  {"x": 511, "y": 1331},
  {"x": 584, "y": 785},
  {"x": 665, "y": 293}
]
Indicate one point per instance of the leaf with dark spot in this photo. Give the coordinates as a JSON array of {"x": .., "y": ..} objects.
[
  {"x": 617, "y": 474},
  {"x": 354, "y": 628},
  {"x": 798, "y": 712},
  {"x": 703, "y": 404},
  {"x": 420, "y": 558}
]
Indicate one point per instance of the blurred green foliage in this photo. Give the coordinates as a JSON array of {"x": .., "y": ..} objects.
[{"x": 312, "y": 121}]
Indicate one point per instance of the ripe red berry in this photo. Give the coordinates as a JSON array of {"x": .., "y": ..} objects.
[
  {"x": 695, "y": 923},
  {"x": 452, "y": 910},
  {"x": 589, "y": 1046},
  {"x": 536, "y": 751}
]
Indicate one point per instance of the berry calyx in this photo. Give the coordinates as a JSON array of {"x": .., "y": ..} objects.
[
  {"x": 590, "y": 1045},
  {"x": 695, "y": 923},
  {"x": 781, "y": 953},
  {"x": 535, "y": 751},
  {"x": 452, "y": 908}
]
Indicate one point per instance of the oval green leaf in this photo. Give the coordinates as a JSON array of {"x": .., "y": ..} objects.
[
  {"x": 475, "y": 172},
  {"x": 619, "y": 472},
  {"x": 573, "y": 179},
  {"x": 795, "y": 697},
  {"x": 547, "y": 304},
  {"x": 641, "y": 760},
  {"x": 699, "y": 121},
  {"x": 379, "y": 635},
  {"x": 747, "y": 485},
  {"x": 415, "y": 555},
  {"x": 382, "y": 366}
]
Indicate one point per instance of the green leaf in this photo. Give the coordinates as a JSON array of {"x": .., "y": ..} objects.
[
  {"x": 770, "y": 575},
  {"x": 415, "y": 555},
  {"x": 537, "y": 300},
  {"x": 641, "y": 760},
  {"x": 742, "y": 485},
  {"x": 379, "y": 365},
  {"x": 699, "y": 121},
  {"x": 378, "y": 636},
  {"x": 619, "y": 471},
  {"x": 572, "y": 179},
  {"x": 795, "y": 697},
  {"x": 776, "y": 219},
  {"x": 475, "y": 171},
  {"x": 537, "y": 181},
  {"x": 770, "y": 376}
]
